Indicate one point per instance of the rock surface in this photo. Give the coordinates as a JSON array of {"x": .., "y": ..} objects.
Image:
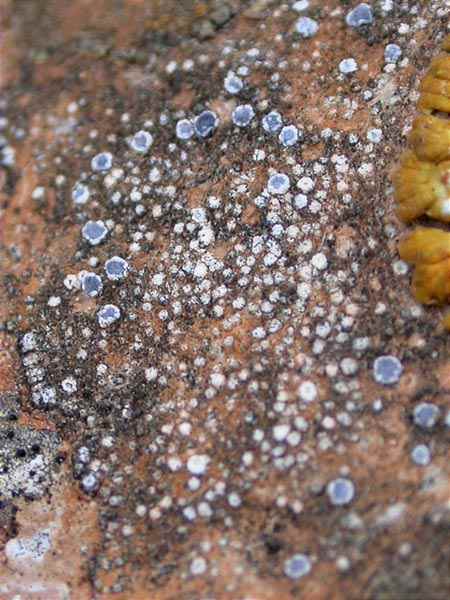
[{"x": 207, "y": 415}]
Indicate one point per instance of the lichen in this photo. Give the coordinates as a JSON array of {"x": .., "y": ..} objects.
[
  {"x": 428, "y": 249},
  {"x": 422, "y": 186}
]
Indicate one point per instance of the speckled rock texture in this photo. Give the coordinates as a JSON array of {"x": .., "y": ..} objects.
[{"x": 214, "y": 381}]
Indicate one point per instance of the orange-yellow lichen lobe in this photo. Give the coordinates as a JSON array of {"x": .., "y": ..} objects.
[
  {"x": 419, "y": 189},
  {"x": 425, "y": 245},
  {"x": 440, "y": 67},
  {"x": 430, "y": 138},
  {"x": 446, "y": 43},
  {"x": 422, "y": 186},
  {"x": 431, "y": 283},
  {"x": 446, "y": 321},
  {"x": 435, "y": 95},
  {"x": 435, "y": 87},
  {"x": 429, "y": 250}
]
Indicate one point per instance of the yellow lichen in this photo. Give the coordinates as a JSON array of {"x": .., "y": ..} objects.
[
  {"x": 428, "y": 249},
  {"x": 425, "y": 245},
  {"x": 446, "y": 321},
  {"x": 446, "y": 44},
  {"x": 435, "y": 93},
  {"x": 430, "y": 138},
  {"x": 435, "y": 87},
  {"x": 422, "y": 187},
  {"x": 440, "y": 67}
]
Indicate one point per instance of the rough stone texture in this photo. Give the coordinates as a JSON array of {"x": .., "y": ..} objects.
[{"x": 248, "y": 329}]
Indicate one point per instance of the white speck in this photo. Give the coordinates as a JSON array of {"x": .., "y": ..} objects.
[
  {"x": 158, "y": 279},
  {"x": 387, "y": 370},
  {"x": 242, "y": 115},
  {"x": 288, "y": 135},
  {"x": 306, "y": 27},
  {"x": 38, "y": 193},
  {"x": 375, "y": 135},
  {"x": 400, "y": 267},
  {"x": 154, "y": 175},
  {"x": 259, "y": 333},
  {"x": 199, "y": 215},
  {"x": 347, "y": 66},
  {"x": 102, "y": 162},
  {"x": 184, "y": 129},
  {"x": 234, "y": 500},
  {"x": 300, "y": 201},
  {"x": 198, "y": 566},
  {"x": 349, "y": 366},
  {"x": 94, "y": 232},
  {"x": 307, "y": 391},
  {"x": 141, "y": 141},
  {"x": 108, "y": 314},
  {"x": 392, "y": 53},
  {"x": 272, "y": 122},
  {"x": 54, "y": 301},
  {"x": 28, "y": 550},
  {"x": 174, "y": 463},
  {"x": 72, "y": 282},
  {"x": 323, "y": 330},
  {"x": 341, "y": 491},
  {"x": 189, "y": 513},
  {"x": 278, "y": 184},
  {"x": 328, "y": 423},
  {"x": 116, "y": 268},
  {"x": 185, "y": 428},
  {"x": 69, "y": 385},
  {"x": 319, "y": 261},
  {"x": 204, "y": 510},
  {"x": 300, "y": 5},
  {"x": 280, "y": 432},
  {"x": 80, "y": 193},
  {"x": 200, "y": 270},
  {"x": 194, "y": 484},
  {"x": 297, "y": 566},
  {"x": 206, "y": 236},
  {"x": 218, "y": 380},
  {"x": 421, "y": 455},
  {"x": 151, "y": 374},
  {"x": 305, "y": 184},
  {"x": 233, "y": 84},
  {"x": 391, "y": 515},
  {"x": 198, "y": 463},
  {"x": 360, "y": 15},
  {"x": 343, "y": 564},
  {"x": 304, "y": 291}
]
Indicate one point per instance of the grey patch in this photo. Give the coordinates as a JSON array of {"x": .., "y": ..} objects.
[{"x": 26, "y": 458}]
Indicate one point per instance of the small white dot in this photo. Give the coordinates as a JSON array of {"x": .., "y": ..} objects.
[
  {"x": 198, "y": 463},
  {"x": 319, "y": 261}
]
